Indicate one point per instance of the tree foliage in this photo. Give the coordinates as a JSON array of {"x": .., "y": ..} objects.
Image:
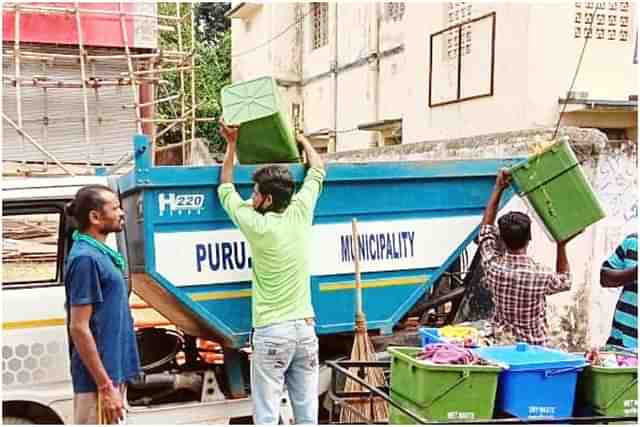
[
  {"x": 212, "y": 49},
  {"x": 211, "y": 21}
]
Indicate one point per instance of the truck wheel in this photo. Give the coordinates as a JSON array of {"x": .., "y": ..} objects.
[{"x": 8, "y": 420}]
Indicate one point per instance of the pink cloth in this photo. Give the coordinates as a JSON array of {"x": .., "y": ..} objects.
[
  {"x": 627, "y": 361},
  {"x": 450, "y": 354}
]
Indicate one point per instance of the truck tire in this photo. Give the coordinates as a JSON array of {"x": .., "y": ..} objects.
[{"x": 9, "y": 420}]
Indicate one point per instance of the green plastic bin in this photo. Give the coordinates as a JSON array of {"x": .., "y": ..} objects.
[
  {"x": 610, "y": 391},
  {"x": 554, "y": 185},
  {"x": 265, "y": 134},
  {"x": 440, "y": 392}
]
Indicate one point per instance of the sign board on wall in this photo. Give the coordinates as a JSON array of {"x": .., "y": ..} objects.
[
  {"x": 187, "y": 258},
  {"x": 98, "y": 29}
]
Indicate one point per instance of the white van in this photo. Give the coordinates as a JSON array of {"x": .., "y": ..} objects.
[{"x": 36, "y": 383}]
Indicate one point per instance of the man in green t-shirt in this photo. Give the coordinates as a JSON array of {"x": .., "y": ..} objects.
[{"x": 277, "y": 225}]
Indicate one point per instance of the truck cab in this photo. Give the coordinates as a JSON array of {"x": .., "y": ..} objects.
[
  {"x": 36, "y": 384},
  {"x": 35, "y": 352}
]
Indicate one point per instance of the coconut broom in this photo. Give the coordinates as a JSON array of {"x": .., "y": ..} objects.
[{"x": 362, "y": 409}]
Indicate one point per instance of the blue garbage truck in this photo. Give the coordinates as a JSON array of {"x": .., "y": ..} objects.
[{"x": 190, "y": 262}]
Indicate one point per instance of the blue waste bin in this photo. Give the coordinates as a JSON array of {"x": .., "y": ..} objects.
[{"x": 539, "y": 383}]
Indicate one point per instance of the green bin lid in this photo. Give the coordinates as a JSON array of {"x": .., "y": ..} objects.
[{"x": 249, "y": 100}]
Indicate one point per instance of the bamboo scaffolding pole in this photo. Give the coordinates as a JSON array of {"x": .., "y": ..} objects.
[
  {"x": 193, "y": 73},
  {"x": 39, "y": 56},
  {"x": 45, "y": 118},
  {"x": 68, "y": 118},
  {"x": 16, "y": 50},
  {"x": 186, "y": 58},
  {"x": 184, "y": 62},
  {"x": 43, "y": 150},
  {"x": 43, "y": 55},
  {"x": 77, "y": 84},
  {"x": 182, "y": 120},
  {"x": 175, "y": 52},
  {"x": 96, "y": 92},
  {"x": 133, "y": 56},
  {"x": 171, "y": 105},
  {"x": 182, "y": 103},
  {"x": 30, "y": 8},
  {"x": 124, "y": 159},
  {"x": 185, "y": 16},
  {"x": 163, "y": 120},
  {"x": 28, "y": 58},
  {"x": 159, "y": 70},
  {"x": 182, "y": 144},
  {"x": 171, "y": 126},
  {"x": 156, "y": 102},
  {"x": 163, "y": 131},
  {"x": 125, "y": 38},
  {"x": 168, "y": 28},
  {"x": 154, "y": 129},
  {"x": 83, "y": 72}
]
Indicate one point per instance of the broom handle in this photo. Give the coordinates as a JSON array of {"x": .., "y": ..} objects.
[{"x": 356, "y": 261}]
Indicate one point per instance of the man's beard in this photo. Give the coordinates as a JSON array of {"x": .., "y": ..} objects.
[{"x": 113, "y": 228}]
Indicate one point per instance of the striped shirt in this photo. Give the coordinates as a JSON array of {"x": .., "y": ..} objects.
[{"x": 624, "y": 331}]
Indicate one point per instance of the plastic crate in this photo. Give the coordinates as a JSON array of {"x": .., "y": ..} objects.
[
  {"x": 539, "y": 382},
  {"x": 440, "y": 392},
  {"x": 430, "y": 336},
  {"x": 555, "y": 186},
  {"x": 265, "y": 135},
  {"x": 609, "y": 391}
]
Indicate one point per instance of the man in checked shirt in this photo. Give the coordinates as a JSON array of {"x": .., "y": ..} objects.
[{"x": 518, "y": 284}]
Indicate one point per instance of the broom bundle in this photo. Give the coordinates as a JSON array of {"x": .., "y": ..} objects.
[{"x": 362, "y": 409}]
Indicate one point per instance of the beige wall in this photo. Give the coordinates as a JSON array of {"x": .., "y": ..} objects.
[
  {"x": 536, "y": 55},
  {"x": 613, "y": 176},
  {"x": 612, "y": 171},
  {"x": 535, "y": 58}
]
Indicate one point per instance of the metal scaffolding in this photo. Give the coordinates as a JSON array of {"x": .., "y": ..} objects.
[{"x": 151, "y": 68}]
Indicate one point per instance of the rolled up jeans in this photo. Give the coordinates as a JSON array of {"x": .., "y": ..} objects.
[{"x": 285, "y": 354}]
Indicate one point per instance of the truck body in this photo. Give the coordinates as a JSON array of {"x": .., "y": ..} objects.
[{"x": 188, "y": 261}]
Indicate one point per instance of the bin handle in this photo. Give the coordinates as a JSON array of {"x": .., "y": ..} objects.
[
  {"x": 552, "y": 372},
  {"x": 463, "y": 377},
  {"x": 549, "y": 203},
  {"x": 622, "y": 391}
]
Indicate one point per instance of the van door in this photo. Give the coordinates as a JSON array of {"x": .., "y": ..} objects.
[{"x": 34, "y": 345}]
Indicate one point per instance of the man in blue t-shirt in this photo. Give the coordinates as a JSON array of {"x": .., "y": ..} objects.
[
  {"x": 103, "y": 349},
  {"x": 621, "y": 269}
]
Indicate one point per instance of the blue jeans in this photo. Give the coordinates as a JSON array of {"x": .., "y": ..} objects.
[{"x": 285, "y": 354}]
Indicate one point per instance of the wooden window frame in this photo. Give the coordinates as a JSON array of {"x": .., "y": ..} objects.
[{"x": 492, "y": 16}]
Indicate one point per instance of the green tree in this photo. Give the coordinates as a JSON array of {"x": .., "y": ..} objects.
[
  {"x": 211, "y": 21},
  {"x": 212, "y": 50}
]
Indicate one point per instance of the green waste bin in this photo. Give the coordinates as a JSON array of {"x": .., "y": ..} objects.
[
  {"x": 609, "y": 391},
  {"x": 265, "y": 134},
  {"x": 440, "y": 392},
  {"x": 555, "y": 186}
]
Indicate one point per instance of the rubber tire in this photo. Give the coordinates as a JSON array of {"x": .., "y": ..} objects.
[{"x": 9, "y": 420}]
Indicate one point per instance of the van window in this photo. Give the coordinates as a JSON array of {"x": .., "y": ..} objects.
[{"x": 30, "y": 248}]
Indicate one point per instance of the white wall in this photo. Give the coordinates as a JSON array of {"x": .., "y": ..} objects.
[{"x": 535, "y": 58}]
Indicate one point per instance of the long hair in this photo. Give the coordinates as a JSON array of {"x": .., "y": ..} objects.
[{"x": 89, "y": 198}]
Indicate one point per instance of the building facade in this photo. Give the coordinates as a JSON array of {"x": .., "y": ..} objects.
[
  {"x": 356, "y": 75},
  {"x": 48, "y": 52}
]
